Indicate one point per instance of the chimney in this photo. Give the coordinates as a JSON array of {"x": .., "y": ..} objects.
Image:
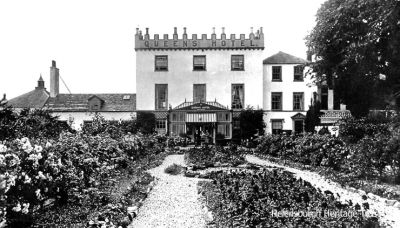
[
  {"x": 54, "y": 80},
  {"x": 40, "y": 83}
]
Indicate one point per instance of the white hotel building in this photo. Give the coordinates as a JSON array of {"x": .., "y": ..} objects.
[{"x": 201, "y": 83}]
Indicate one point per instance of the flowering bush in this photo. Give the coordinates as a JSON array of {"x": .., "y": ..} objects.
[
  {"x": 31, "y": 123},
  {"x": 40, "y": 178},
  {"x": 207, "y": 156}
]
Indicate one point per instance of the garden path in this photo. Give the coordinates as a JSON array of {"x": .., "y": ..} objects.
[
  {"x": 173, "y": 202},
  {"x": 388, "y": 215}
]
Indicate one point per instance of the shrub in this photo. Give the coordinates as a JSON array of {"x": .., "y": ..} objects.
[
  {"x": 146, "y": 122},
  {"x": 251, "y": 123},
  {"x": 352, "y": 129},
  {"x": 31, "y": 123},
  {"x": 173, "y": 169}
]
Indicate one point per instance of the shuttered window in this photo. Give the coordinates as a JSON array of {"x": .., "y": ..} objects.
[
  {"x": 237, "y": 62},
  {"x": 161, "y": 63},
  {"x": 199, "y": 92},
  {"x": 199, "y": 62}
]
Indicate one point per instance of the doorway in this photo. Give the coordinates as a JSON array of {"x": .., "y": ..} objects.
[{"x": 298, "y": 126}]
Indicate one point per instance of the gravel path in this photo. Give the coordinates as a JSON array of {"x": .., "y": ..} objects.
[
  {"x": 173, "y": 202},
  {"x": 388, "y": 215}
]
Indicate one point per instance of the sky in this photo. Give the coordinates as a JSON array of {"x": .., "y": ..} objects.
[{"x": 92, "y": 41}]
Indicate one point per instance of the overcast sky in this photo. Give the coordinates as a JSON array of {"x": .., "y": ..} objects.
[{"x": 93, "y": 41}]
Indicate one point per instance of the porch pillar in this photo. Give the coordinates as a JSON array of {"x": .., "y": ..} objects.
[{"x": 214, "y": 133}]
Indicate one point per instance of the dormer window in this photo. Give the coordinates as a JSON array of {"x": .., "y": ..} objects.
[{"x": 95, "y": 103}]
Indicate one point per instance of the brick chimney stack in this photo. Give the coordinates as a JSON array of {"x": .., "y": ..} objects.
[{"x": 54, "y": 80}]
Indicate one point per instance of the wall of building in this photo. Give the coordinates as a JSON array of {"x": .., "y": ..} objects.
[
  {"x": 180, "y": 76},
  {"x": 287, "y": 86},
  {"x": 79, "y": 117}
]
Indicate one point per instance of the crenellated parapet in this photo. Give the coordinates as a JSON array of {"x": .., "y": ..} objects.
[{"x": 253, "y": 41}]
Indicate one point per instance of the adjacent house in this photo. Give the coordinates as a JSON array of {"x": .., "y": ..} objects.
[
  {"x": 287, "y": 93},
  {"x": 76, "y": 108}
]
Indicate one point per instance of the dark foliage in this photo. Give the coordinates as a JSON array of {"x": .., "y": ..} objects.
[
  {"x": 31, "y": 123},
  {"x": 251, "y": 123},
  {"x": 357, "y": 43},
  {"x": 312, "y": 117},
  {"x": 253, "y": 199},
  {"x": 146, "y": 122}
]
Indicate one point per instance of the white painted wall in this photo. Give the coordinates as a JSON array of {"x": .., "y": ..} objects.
[
  {"x": 79, "y": 117},
  {"x": 287, "y": 86},
  {"x": 180, "y": 76}
]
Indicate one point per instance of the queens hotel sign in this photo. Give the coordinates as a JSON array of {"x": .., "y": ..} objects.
[{"x": 254, "y": 41}]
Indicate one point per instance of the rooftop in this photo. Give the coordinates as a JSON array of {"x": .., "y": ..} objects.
[
  {"x": 284, "y": 58},
  {"x": 33, "y": 99},
  {"x": 117, "y": 102}
]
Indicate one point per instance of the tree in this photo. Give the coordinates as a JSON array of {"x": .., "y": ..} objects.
[
  {"x": 312, "y": 116},
  {"x": 251, "y": 123},
  {"x": 357, "y": 48},
  {"x": 146, "y": 122}
]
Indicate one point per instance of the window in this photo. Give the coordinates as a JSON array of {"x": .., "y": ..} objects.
[
  {"x": 199, "y": 92},
  {"x": 199, "y": 62},
  {"x": 126, "y": 97},
  {"x": 178, "y": 129},
  {"x": 237, "y": 96},
  {"x": 224, "y": 129},
  {"x": 276, "y": 73},
  {"x": 298, "y": 73},
  {"x": 223, "y": 117},
  {"x": 160, "y": 124},
  {"x": 161, "y": 63},
  {"x": 161, "y": 96},
  {"x": 236, "y": 124},
  {"x": 298, "y": 101},
  {"x": 237, "y": 62},
  {"x": 276, "y": 101},
  {"x": 178, "y": 117},
  {"x": 276, "y": 126}
]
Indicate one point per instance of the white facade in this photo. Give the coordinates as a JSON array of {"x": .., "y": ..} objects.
[
  {"x": 287, "y": 86},
  {"x": 180, "y": 77}
]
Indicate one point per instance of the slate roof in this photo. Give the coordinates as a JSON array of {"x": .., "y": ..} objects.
[
  {"x": 284, "y": 58},
  {"x": 33, "y": 99},
  {"x": 79, "y": 102}
]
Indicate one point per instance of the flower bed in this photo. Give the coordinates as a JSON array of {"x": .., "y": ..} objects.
[
  {"x": 259, "y": 199},
  {"x": 72, "y": 181},
  {"x": 206, "y": 156},
  {"x": 371, "y": 163}
]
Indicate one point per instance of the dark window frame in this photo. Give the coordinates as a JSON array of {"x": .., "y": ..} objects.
[
  {"x": 233, "y": 63},
  {"x": 276, "y": 130},
  {"x": 273, "y": 94},
  {"x": 200, "y": 67},
  {"x": 244, "y": 96},
  {"x": 156, "y": 97},
  {"x": 301, "y": 108},
  {"x": 161, "y": 124},
  {"x": 205, "y": 92},
  {"x": 298, "y": 73},
  {"x": 160, "y": 68},
  {"x": 276, "y": 76}
]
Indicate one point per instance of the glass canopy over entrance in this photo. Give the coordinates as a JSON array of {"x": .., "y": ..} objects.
[{"x": 205, "y": 121}]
